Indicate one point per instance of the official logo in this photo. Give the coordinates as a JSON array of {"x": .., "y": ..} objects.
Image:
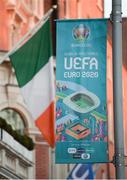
[{"x": 81, "y": 32}]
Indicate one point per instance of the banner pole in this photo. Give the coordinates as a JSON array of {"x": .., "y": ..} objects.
[
  {"x": 118, "y": 160},
  {"x": 29, "y": 34}
]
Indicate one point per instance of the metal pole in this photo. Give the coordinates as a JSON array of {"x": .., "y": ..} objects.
[{"x": 119, "y": 160}]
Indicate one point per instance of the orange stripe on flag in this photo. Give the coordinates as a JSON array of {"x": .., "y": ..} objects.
[{"x": 46, "y": 123}]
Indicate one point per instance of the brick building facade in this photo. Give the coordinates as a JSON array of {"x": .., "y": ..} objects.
[{"x": 16, "y": 18}]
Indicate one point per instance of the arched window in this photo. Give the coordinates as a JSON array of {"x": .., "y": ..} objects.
[{"x": 13, "y": 118}]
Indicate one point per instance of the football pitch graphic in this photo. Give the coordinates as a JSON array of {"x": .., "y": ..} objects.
[{"x": 75, "y": 118}]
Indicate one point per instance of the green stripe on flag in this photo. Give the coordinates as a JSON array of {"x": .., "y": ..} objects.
[{"x": 33, "y": 55}]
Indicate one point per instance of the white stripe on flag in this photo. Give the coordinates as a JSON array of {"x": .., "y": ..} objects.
[{"x": 39, "y": 92}]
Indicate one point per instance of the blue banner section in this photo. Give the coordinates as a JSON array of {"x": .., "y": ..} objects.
[
  {"x": 81, "y": 171},
  {"x": 81, "y": 119}
]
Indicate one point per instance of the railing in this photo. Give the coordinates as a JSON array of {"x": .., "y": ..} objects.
[{"x": 15, "y": 146}]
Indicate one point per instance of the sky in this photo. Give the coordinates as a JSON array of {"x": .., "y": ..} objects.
[{"x": 108, "y": 7}]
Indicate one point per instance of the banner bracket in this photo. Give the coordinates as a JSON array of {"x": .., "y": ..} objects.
[
  {"x": 112, "y": 19},
  {"x": 118, "y": 160}
]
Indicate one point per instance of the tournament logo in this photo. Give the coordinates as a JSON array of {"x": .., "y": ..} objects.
[{"x": 81, "y": 33}]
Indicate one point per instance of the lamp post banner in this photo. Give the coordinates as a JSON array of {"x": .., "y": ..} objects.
[{"x": 81, "y": 110}]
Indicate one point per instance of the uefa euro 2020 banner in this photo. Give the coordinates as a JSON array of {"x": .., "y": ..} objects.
[{"x": 81, "y": 119}]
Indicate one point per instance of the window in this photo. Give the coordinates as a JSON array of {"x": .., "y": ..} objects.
[
  {"x": 15, "y": 34},
  {"x": 13, "y": 118}
]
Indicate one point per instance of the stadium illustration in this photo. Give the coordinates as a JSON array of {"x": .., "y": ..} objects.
[
  {"x": 82, "y": 101},
  {"x": 76, "y": 114}
]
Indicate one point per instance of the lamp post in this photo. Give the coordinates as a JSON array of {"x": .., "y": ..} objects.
[{"x": 118, "y": 160}]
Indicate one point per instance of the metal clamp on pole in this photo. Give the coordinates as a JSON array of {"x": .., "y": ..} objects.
[
  {"x": 118, "y": 160},
  {"x": 117, "y": 19}
]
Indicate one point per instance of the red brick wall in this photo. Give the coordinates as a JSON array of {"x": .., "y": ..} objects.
[
  {"x": 41, "y": 159},
  {"x": 47, "y": 5},
  {"x": 80, "y": 8},
  {"x": 3, "y": 26}
]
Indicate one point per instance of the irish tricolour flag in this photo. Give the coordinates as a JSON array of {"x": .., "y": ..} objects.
[{"x": 33, "y": 67}]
